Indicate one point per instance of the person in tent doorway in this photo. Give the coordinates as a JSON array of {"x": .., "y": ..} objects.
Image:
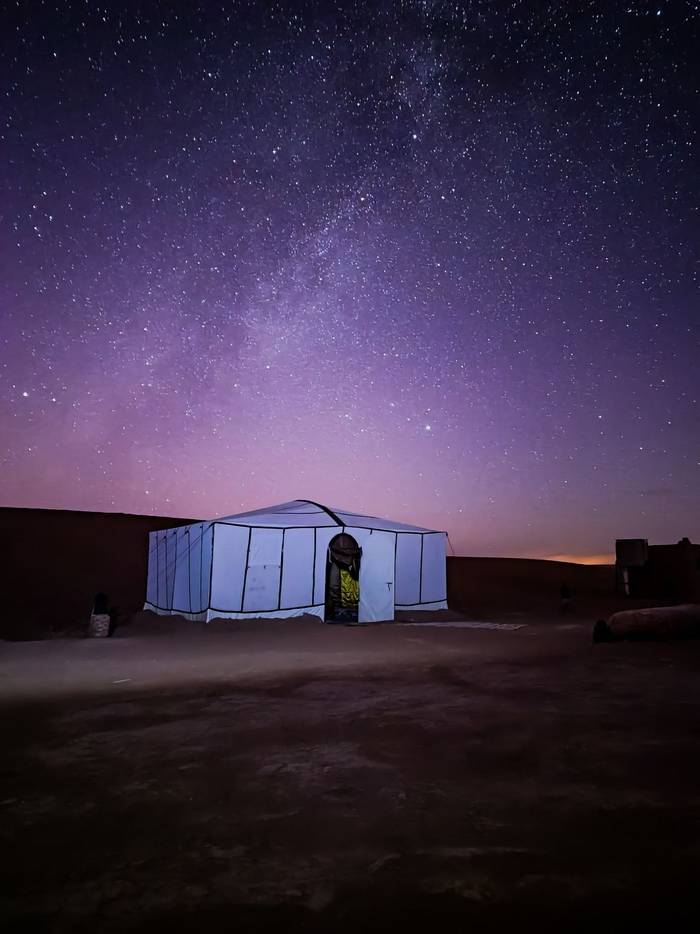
[{"x": 344, "y": 579}]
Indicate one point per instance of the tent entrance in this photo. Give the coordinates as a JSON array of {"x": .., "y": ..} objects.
[{"x": 343, "y": 580}]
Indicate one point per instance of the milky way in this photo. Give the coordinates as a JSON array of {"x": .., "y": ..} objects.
[{"x": 436, "y": 261}]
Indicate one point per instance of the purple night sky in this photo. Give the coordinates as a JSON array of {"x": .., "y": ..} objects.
[{"x": 430, "y": 260}]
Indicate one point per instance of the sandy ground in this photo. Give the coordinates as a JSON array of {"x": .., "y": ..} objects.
[
  {"x": 292, "y": 776},
  {"x": 161, "y": 653}
]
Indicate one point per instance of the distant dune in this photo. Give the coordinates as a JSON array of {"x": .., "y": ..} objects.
[
  {"x": 583, "y": 559},
  {"x": 492, "y": 588}
]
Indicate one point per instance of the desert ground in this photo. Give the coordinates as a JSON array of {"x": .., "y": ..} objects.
[{"x": 291, "y": 776}]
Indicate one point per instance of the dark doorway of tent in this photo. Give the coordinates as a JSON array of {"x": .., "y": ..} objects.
[{"x": 343, "y": 580}]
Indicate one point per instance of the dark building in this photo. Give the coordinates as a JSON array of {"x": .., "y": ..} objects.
[{"x": 664, "y": 572}]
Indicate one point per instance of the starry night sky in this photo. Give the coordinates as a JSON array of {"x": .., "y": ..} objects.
[{"x": 430, "y": 260}]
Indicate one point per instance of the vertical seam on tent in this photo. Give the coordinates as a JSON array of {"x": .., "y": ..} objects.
[
  {"x": 245, "y": 572},
  {"x": 157, "y": 568},
  {"x": 313, "y": 574},
  {"x": 177, "y": 535},
  {"x": 171, "y": 597},
  {"x": 211, "y": 565},
  {"x": 420, "y": 578},
  {"x": 172, "y": 593},
  {"x": 396, "y": 545},
  {"x": 167, "y": 562},
  {"x": 201, "y": 564},
  {"x": 279, "y": 594},
  {"x": 445, "y": 566},
  {"x": 166, "y": 568},
  {"x": 189, "y": 567}
]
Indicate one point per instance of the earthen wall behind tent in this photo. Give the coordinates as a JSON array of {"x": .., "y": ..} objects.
[{"x": 55, "y": 561}]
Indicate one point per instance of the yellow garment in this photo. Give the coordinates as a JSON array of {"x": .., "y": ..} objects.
[{"x": 349, "y": 589}]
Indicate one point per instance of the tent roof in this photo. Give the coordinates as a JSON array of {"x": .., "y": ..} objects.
[{"x": 304, "y": 513}]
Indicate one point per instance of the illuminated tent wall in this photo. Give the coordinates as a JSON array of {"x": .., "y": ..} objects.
[{"x": 272, "y": 562}]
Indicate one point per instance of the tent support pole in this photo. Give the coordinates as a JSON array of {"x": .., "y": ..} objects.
[{"x": 324, "y": 508}]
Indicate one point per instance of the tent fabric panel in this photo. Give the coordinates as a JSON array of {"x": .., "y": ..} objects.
[
  {"x": 281, "y": 521},
  {"x": 423, "y": 607},
  {"x": 293, "y": 507},
  {"x": 170, "y": 557},
  {"x": 262, "y": 574},
  {"x": 376, "y": 573},
  {"x": 195, "y": 568},
  {"x": 286, "y": 515},
  {"x": 433, "y": 573},
  {"x": 152, "y": 579},
  {"x": 207, "y": 539},
  {"x": 162, "y": 580},
  {"x": 230, "y": 546},
  {"x": 316, "y": 610},
  {"x": 261, "y": 513},
  {"x": 181, "y": 586},
  {"x": 297, "y": 568},
  {"x": 209, "y": 615},
  {"x": 407, "y": 585},
  {"x": 375, "y": 522},
  {"x": 200, "y": 616},
  {"x": 301, "y": 513}
]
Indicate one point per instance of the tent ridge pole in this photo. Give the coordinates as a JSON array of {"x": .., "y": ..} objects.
[{"x": 324, "y": 508}]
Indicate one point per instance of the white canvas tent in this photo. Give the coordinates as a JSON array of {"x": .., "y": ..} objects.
[{"x": 272, "y": 562}]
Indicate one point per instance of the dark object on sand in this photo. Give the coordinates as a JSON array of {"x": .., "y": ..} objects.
[
  {"x": 100, "y": 625},
  {"x": 602, "y": 632},
  {"x": 566, "y": 606},
  {"x": 659, "y": 622}
]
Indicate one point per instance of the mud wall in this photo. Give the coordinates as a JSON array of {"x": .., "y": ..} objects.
[{"x": 54, "y": 562}]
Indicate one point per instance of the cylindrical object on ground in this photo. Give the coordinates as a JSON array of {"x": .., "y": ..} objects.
[
  {"x": 99, "y": 625},
  {"x": 658, "y": 622}
]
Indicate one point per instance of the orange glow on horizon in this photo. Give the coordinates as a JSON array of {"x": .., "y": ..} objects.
[{"x": 582, "y": 559}]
